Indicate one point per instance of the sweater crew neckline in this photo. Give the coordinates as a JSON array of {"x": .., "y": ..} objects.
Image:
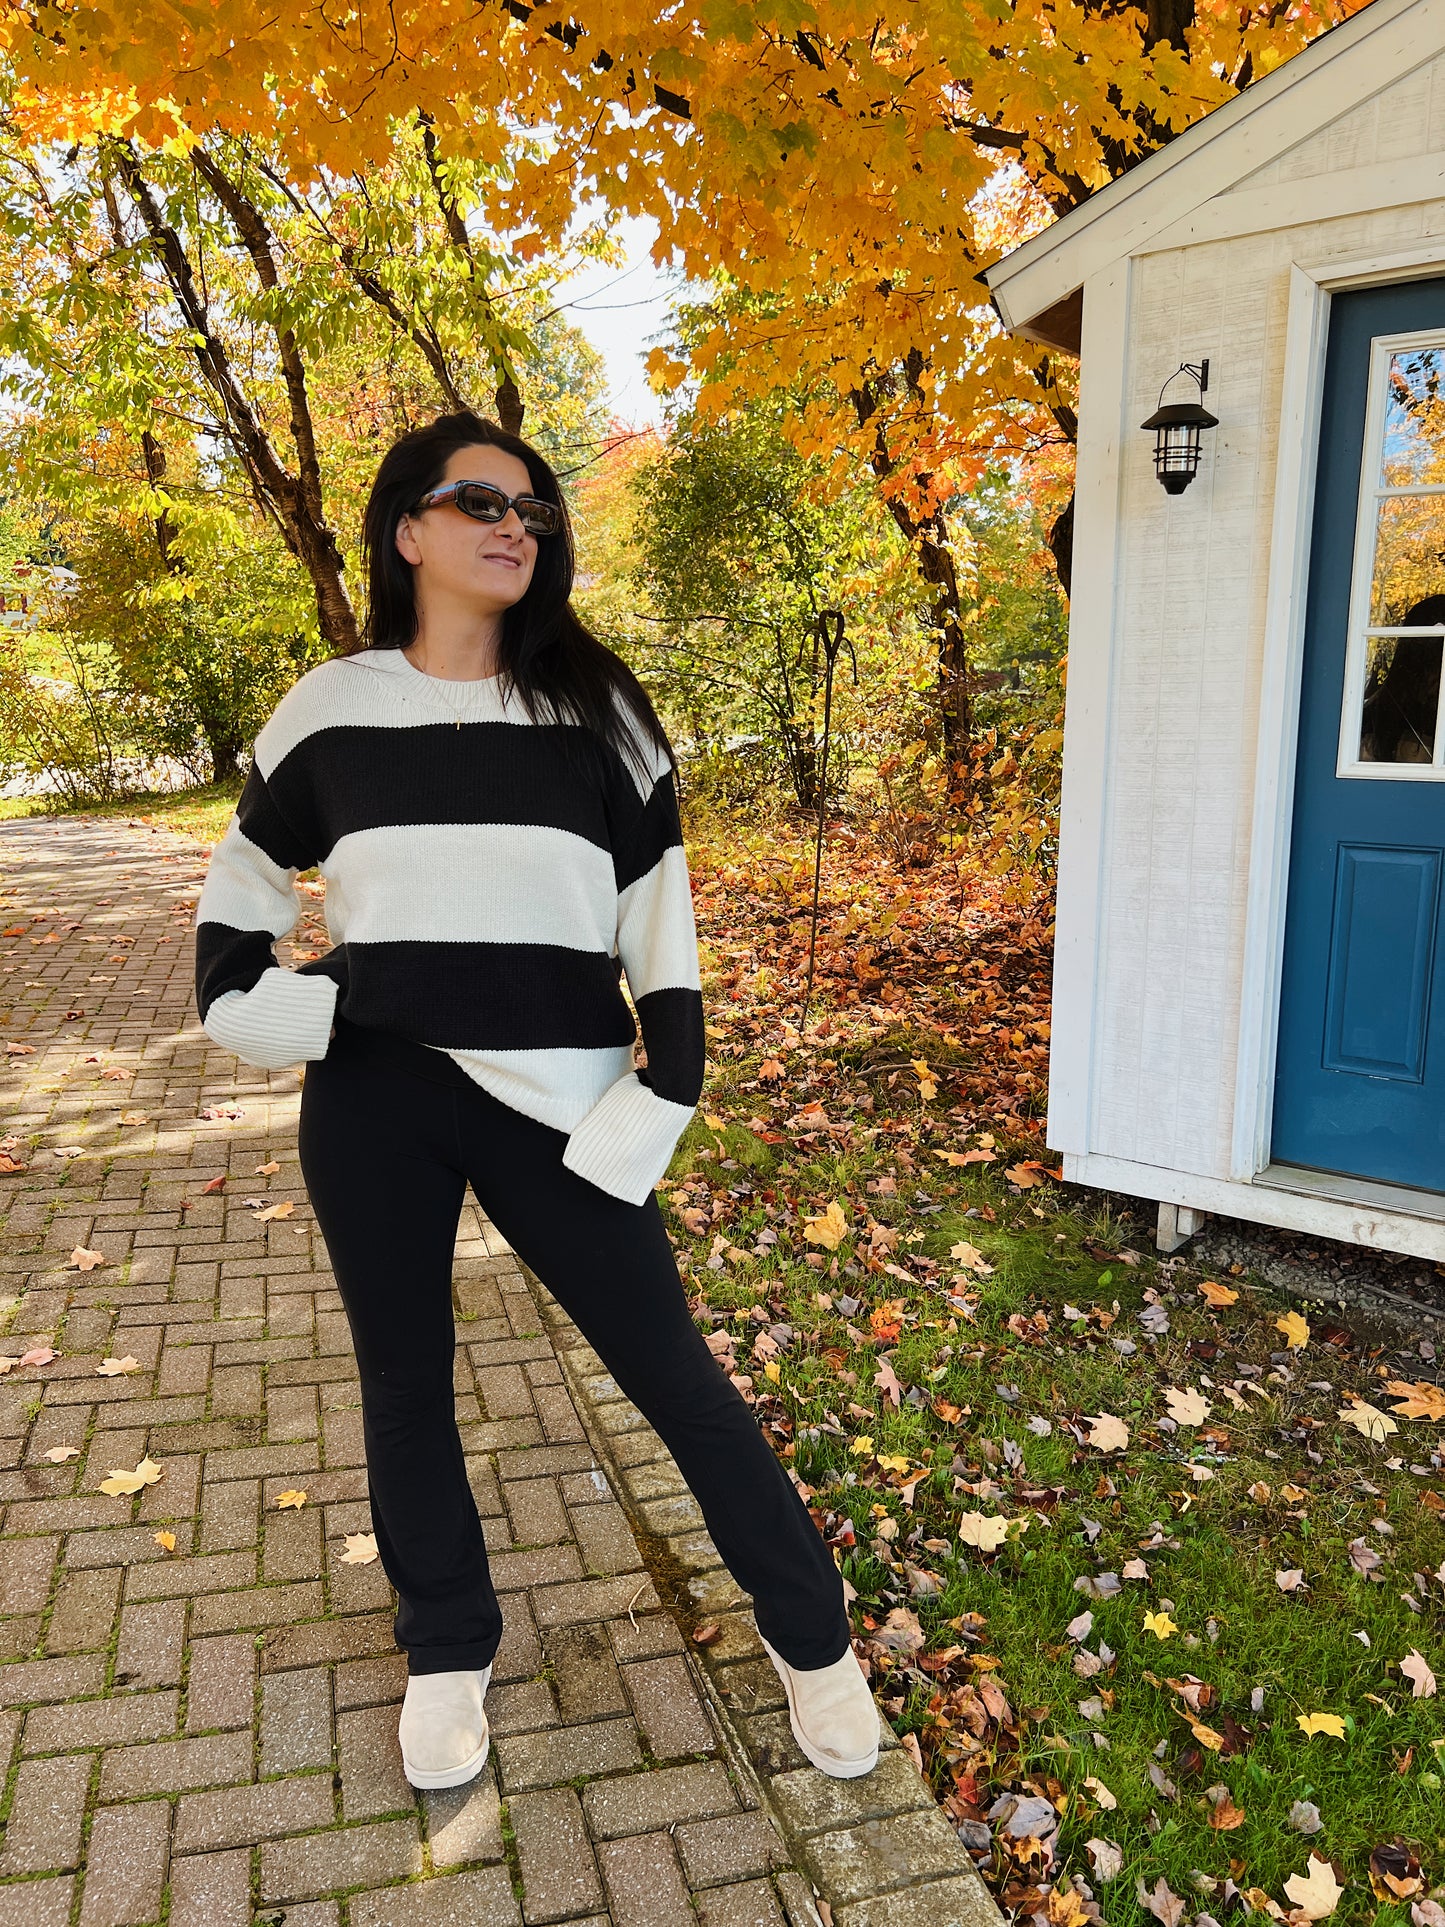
[{"x": 462, "y": 694}]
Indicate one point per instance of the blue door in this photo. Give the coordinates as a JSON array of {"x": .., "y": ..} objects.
[{"x": 1360, "y": 1074}]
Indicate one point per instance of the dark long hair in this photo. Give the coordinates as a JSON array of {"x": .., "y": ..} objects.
[{"x": 561, "y": 671}]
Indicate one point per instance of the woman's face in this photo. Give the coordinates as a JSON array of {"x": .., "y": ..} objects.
[{"x": 458, "y": 559}]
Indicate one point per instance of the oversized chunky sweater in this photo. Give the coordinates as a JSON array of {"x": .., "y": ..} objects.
[{"x": 483, "y": 898}]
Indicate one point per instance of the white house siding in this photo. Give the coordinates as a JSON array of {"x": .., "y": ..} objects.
[
  {"x": 1405, "y": 121},
  {"x": 1188, "y": 638}
]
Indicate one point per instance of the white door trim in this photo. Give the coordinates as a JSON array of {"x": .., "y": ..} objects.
[{"x": 1306, "y": 335}]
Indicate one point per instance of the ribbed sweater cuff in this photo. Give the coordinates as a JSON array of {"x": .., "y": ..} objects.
[
  {"x": 625, "y": 1142},
  {"x": 283, "y": 1019}
]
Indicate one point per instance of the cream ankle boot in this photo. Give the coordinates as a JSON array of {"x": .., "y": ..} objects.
[
  {"x": 443, "y": 1729},
  {"x": 832, "y": 1713}
]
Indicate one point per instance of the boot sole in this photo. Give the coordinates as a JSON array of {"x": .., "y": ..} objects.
[
  {"x": 450, "y": 1775},
  {"x": 827, "y": 1763}
]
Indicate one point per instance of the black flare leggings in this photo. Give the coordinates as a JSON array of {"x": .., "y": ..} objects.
[{"x": 391, "y": 1133}]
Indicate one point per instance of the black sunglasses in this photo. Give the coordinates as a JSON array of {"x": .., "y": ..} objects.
[{"x": 485, "y": 502}]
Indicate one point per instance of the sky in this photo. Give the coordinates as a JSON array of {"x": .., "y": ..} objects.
[{"x": 618, "y": 308}]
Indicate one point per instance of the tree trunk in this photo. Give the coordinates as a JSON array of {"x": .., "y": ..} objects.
[
  {"x": 935, "y": 565},
  {"x": 291, "y": 499},
  {"x": 1061, "y": 545}
]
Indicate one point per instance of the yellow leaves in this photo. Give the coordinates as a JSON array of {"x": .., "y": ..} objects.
[
  {"x": 1311, "y": 1723},
  {"x": 360, "y": 1549},
  {"x": 772, "y": 1370},
  {"x": 1315, "y": 1892},
  {"x": 114, "y": 1367},
  {"x": 863, "y": 1446},
  {"x": 967, "y": 1157},
  {"x": 292, "y": 1498},
  {"x": 1160, "y": 1624},
  {"x": 927, "y": 1082},
  {"x": 1217, "y": 1296},
  {"x": 1296, "y": 1330},
  {"x": 1101, "y": 1793},
  {"x": 1186, "y": 1407},
  {"x": 121, "y": 1482},
  {"x": 1206, "y": 1736},
  {"x": 977, "y": 1529},
  {"x": 1066, "y": 1907},
  {"x": 1417, "y": 1401},
  {"x": 58, "y": 1454},
  {"x": 970, "y": 1257},
  {"x": 1107, "y": 1433},
  {"x": 86, "y": 1260},
  {"x": 827, "y": 1229},
  {"x": 1367, "y": 1420},
  {"x": 166, "y": 1541},
  {"x": 281, "y": 1210}
]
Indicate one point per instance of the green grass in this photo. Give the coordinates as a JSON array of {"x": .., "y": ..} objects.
[{"x": 1211, "y": 1548}]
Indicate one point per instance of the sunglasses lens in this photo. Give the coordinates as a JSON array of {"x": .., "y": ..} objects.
[
  {"x": 542, "y": 518},
  {"x": 481, "y": 501}
]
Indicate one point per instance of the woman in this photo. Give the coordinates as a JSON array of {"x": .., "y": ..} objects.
[{"x": 490, "y": 796}]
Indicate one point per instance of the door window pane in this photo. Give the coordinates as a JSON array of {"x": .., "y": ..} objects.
[
  {"x": 1409, "y": 560},
  {"x": 1402, "y": 699},
  {"x": 1390, "y": 724},
  {"x": 1414, "y": 440}
]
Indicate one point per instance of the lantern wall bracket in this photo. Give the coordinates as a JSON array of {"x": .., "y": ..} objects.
[{"x": 1176, "y": 427}]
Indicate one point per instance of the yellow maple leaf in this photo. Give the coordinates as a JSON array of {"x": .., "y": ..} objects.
[
  {"x": 292, "y": 1498},
  {"x": 1316, "y": 1892},
  {"x": 1217, "y": 1296},
  {"x": 862, "y": 1445},
  {"x": 1107, "y": 1433},
  {"x": 1160, "y": 1624},
  {"x": 121, "y": 1482},
  {"x": 1296, "y": 1330},
  {"x": 1187, "y": 1406},
  {"x": 828, "y": 1228},
  {"x": 166, "y": 1541},
  {"x": 1311, "y": 1723},
  {"x": 978, "y": 1529},
  {"x": 113, "y": 1367},
  {"x": 772, "y": 1370},
  {"x": 1417, "y": 1401},
  {"x": 360, "y": 1549},
  {"x": 1367, "y": 1419}
]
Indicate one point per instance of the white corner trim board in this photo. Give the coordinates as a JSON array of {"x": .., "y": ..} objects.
[{"x": 1093, "y": 621}]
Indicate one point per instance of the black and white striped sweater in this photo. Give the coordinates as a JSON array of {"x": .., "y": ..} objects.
[{"x": 482, "y": 897}]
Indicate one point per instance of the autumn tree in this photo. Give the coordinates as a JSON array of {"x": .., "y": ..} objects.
[
  {"x": 199, "y": 292},
  {"x": 849, "y": 173},
  {"x": 740, "y": 551}
]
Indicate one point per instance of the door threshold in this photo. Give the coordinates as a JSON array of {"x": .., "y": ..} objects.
[{"x": 1402, "y": 1198}]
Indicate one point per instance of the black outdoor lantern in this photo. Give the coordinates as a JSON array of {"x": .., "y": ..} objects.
[{"x": 1177, "y": 428}]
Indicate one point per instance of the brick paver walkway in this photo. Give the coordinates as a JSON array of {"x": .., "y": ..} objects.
[{"x": 203, "y": 1732}]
